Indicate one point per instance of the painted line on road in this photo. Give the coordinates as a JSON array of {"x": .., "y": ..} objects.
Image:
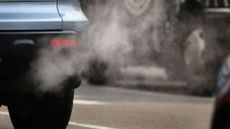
[
  {"x": 89, "y": 126},
  {"x": 88, "y": 102},
  {"x": 4, "y": 113}
]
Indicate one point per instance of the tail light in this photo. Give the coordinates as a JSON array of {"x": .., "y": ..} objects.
[{"x": 63, "y": 43}]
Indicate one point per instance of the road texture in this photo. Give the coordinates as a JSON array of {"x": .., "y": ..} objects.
[{"x": 112, "y": 108}]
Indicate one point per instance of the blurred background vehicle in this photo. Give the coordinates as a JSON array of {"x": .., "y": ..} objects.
[{"x": 221, "y": 113}]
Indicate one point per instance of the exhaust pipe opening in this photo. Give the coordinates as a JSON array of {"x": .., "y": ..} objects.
[{"x": 73, "y": 82}]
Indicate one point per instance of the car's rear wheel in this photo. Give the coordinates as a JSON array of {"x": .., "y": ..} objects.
[{"x": 48, "y": 112}]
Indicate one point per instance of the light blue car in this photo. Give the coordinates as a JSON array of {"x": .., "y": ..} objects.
[{"x": 26, "y": 28}]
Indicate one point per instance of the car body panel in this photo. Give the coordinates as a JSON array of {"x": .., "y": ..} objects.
[
  {"x": 72, "y": 15},
  {"x": 45, "y": 15},
  {"x": 29, "y": 16}
]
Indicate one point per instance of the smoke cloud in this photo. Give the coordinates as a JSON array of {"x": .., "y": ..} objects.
[{"x": 120, "y": 33}]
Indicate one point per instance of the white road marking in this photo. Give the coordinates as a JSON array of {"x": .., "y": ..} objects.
[
  {"x": 89, "y": 126},
  {"x": 4, "y": 113},
  {"x": 88, "y": 102}
]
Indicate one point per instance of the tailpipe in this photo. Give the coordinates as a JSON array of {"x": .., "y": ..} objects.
[{"x": 73, "y": 81}]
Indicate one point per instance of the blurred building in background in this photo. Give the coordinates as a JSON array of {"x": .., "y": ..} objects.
[{"x": 174, "y": 43}]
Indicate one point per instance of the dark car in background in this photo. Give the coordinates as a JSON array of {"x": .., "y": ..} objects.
[
  {"x": 26, "y": 27},
  {"x": 221, "y": 115},
  {"x": 221, "y": 119}
]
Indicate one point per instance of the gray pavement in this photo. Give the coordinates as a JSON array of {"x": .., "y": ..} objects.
[{"x": 112, "y": 108}]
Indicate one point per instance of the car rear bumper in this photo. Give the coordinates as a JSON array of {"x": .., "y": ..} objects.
[{"x": 15, "y": 61}]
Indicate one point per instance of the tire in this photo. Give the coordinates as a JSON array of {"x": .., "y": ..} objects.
[
  {"x": 48, "y": 112},
  {"x": 221, "y": 118}
]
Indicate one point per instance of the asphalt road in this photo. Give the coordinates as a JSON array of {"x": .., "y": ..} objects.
[{"x": 112, "y": 108}]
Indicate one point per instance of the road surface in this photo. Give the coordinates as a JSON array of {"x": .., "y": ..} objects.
[{"x": 112, "y": 108}]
